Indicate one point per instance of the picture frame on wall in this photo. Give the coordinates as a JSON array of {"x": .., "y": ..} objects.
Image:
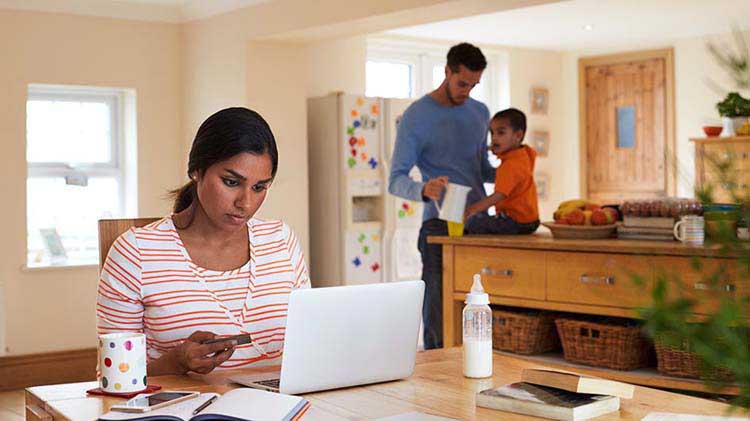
[
  {"x": 542, "y": 186},
  {"x": 539, "y": 100},
  {"x": 540, "y": 142}
]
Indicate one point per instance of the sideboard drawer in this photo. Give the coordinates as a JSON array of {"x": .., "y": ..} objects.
[
  {"x": 713, "y": 280},
  {"x": 598, "y": 279},
  {"x": 505, "y": 272}
]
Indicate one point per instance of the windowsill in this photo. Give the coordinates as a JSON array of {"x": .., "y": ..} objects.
[{"x": 57, "y": 266}]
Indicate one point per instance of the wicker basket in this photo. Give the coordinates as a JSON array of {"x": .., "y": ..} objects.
[
  {"x": 683, "y": 363},
  {"x": 525, "y": 332},
  {"x": 610, "y": 343}
]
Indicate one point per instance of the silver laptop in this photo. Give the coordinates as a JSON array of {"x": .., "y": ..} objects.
[{"x": 346, "y": 336}]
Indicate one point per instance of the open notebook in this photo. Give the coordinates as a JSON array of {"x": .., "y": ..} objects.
[{"x": 235, "y": 405}]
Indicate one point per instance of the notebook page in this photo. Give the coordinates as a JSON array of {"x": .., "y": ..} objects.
[{"x": 254, "y": 404}]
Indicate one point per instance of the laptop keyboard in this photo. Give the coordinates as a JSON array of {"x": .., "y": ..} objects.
[{"x": 274, "y": 383}]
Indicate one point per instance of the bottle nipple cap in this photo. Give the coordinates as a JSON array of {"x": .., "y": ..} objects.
[{"x": 477, "y": 294}]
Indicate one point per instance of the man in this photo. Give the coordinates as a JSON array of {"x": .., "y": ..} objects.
[{"x": 444, "y": 134}]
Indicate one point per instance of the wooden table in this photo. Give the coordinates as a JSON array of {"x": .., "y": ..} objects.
[
  {"x": 436, "y": 387},
  {"x": 581, "y": 276}
]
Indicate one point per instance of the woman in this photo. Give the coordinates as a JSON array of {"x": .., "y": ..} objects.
[{"x": 210, "y": 269}]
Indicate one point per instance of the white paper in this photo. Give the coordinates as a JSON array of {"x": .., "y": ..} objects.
[{"x": 669, "y": 416}]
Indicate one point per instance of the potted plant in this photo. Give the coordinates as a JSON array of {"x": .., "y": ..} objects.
[{"x": 737, "y": 109}]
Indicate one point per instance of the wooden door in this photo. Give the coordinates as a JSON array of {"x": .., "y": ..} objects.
[{"x": 627, "y": 132}]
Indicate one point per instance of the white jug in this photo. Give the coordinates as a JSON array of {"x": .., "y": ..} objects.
[{"x": 454, "y": 203}]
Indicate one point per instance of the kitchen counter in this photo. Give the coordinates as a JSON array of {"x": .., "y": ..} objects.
[{"x": 581, "y": 276}]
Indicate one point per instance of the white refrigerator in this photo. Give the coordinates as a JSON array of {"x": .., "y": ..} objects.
[{"x": 359, "y": 232}]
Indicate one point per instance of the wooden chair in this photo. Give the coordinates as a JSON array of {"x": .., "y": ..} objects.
[{"x": 110, "y": 229}]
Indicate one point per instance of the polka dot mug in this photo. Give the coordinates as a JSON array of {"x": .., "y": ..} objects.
[{"x": 122, "y": 362}]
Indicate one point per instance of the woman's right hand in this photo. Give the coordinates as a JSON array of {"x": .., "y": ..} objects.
[{"x": 193, "y": 355}]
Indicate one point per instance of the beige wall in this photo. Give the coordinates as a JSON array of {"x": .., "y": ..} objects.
[
  {"x": 538, "y": 68},
  {"x": 53, "y": 309},
  {"x": 695, "y": 101}
]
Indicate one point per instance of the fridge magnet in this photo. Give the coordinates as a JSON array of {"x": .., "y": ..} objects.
[
  {"x": 539, "y": 100},
  {"x": 375, "y": 266},
  {"x": 361, "y": 238},
  {"x": 375, "y": 237},
  {"x": 356, "y": 262},
  {"x": 368, "y": 122},
  {"x": 355, "y": 113},
  {"x": 356, "y": 124},
  {"x": 360, "y": 101},
  {"x": 366, "y": 250},
  {"x": 364, "y": 156},
  {"x": 350, "y": 131},
  {"x": 542, "y": 186},
  {"x": 361, "y": 141},
  {"x": 374, "y": 109},
  {"x": 373, "y": 163},
  {"x": 540, "y": 141},
  {"x": 351, "y": 162},
  {"x": 353, "y": 141}
]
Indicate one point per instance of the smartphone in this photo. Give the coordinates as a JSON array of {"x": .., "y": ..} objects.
[
  {"x": 241, "y": 339},
  {"x": 145, "y": 403}
]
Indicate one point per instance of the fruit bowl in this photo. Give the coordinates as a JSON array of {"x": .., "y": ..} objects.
[
  {"x": 712, "y": 131},
  {"x": 580, "y": 231}
]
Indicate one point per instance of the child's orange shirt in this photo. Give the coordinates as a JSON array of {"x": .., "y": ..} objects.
[{"x": 514, "y": 178}]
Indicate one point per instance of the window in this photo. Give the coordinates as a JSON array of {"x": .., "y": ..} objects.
[
  {"x": 75, "y": 154},
  {"x": 404, "y": 69},
  {"x": 389, "y": 79}
]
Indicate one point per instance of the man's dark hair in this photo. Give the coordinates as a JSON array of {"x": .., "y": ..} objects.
[
  {"x": 468, "y": 55},
  {"x": 515, "y": 117}
]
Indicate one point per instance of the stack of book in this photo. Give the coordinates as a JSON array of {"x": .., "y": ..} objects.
[
  {"x": 646, "y": 228},
  {"x": 557, "y": 395}
]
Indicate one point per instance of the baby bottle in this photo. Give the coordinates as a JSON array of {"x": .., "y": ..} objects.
[{"x": 477, "y": 332}]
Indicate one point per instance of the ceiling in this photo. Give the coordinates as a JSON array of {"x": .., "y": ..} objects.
[
  {"x": 149, "y": 10},
  {"x": 592, "y": 24}
]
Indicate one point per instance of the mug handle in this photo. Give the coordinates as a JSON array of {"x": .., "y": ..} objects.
[{"x": 676, "y": 230}]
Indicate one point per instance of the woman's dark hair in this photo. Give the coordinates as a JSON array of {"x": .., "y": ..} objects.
[
  {"x": 223, "y": 135},
  {"x": 516, "y": 118},
  {"x": 468, "y": 55}
]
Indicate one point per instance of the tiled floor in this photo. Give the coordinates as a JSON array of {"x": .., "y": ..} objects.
[{"x": 12, "y": 406}]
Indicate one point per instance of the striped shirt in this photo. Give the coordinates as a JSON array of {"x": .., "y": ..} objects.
[{"x": 149, "y": 284}]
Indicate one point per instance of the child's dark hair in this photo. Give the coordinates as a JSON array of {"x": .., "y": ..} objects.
[
  {"x": 223, "y": 135},
  {"x": 515, "y": 117},
  {"x": 468, "y": 55}
]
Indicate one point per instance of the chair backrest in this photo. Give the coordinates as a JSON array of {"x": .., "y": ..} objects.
[{"x": 110, "y": 229}]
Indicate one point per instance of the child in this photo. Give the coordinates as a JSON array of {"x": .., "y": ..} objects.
[{"x": 515, "y": 197}]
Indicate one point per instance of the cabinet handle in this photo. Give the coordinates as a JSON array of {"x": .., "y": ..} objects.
[
  {"x": 704, "y": 287},
  {"x": 502, "y": 272},
  {"x": 586, "y": 278}
]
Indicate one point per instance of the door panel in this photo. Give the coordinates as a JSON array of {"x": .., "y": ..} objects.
[{"x": 617, "y": 170}]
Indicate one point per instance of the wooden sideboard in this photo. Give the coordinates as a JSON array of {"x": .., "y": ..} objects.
[
  {"x": 580, "y": 276},
  {"x": 734, "y": 152}
]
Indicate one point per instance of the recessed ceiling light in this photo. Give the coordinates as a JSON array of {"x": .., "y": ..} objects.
[{"x": 588, "y": 27}]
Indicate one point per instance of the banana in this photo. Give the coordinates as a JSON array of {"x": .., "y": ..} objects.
[{"x": 575, "y": 203}]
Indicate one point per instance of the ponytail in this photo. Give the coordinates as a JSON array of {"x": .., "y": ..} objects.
[{"x": 184, "y": 196}]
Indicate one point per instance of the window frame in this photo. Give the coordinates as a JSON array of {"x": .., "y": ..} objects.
[{"x": 115, "y": 168}]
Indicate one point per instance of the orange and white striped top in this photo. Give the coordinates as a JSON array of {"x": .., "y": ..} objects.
[{"x": 149, "y": 284}]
